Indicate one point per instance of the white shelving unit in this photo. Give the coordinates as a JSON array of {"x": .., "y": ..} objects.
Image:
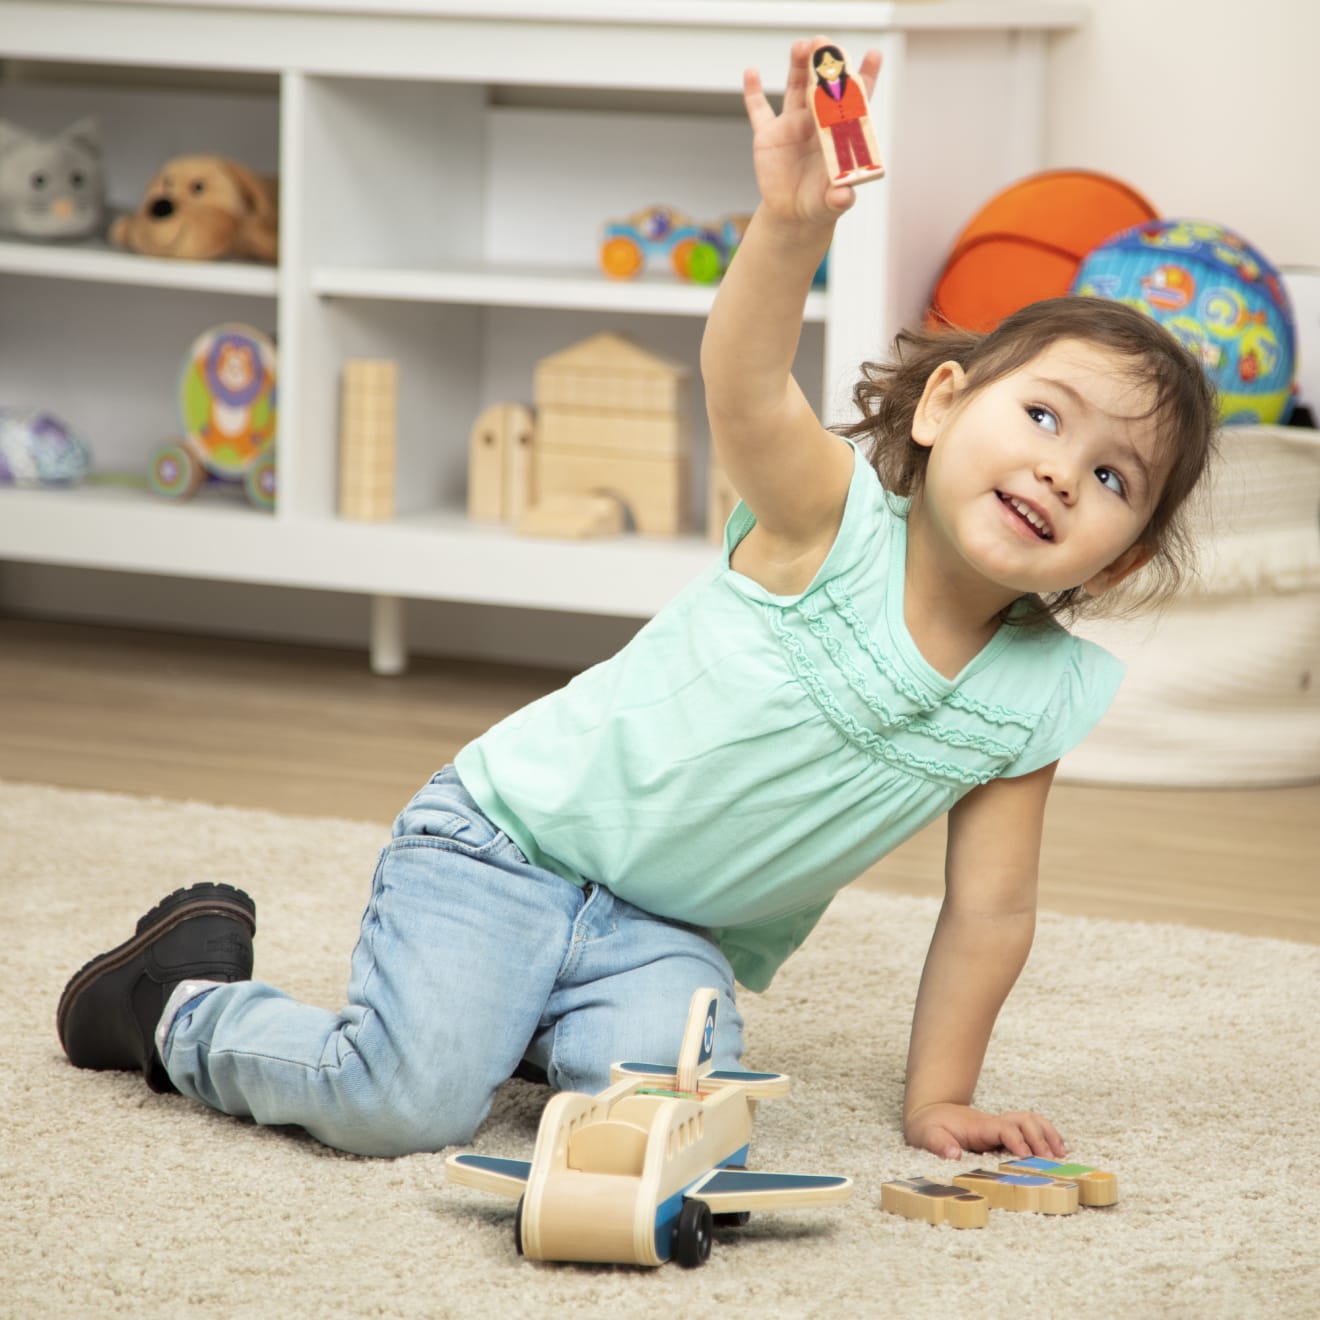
[{"x": 445, "y": 168}]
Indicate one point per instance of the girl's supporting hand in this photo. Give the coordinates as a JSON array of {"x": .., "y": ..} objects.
[
  {"x": 790, "y": 166},
  {"x": 947, "y": 1130}
]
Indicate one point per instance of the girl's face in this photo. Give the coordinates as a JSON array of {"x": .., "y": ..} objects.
[{"x": 1044, "y": 479}]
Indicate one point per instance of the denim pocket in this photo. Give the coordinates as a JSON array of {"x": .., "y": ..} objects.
[{"x": 443, "y": 814}]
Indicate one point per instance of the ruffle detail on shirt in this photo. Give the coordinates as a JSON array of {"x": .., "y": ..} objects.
[{"x": 887, "y": 713}]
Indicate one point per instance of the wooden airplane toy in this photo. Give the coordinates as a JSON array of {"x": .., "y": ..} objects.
[{"x": 637, "y": 1174}]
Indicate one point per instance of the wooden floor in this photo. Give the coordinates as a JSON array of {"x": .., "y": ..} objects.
[{"x": 313, "y": 732}]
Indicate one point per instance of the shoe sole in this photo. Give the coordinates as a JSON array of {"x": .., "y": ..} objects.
[{"x": 182, "y": 905}]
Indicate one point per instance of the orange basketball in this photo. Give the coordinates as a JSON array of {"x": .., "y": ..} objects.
[{"x": 1027, "y": 242}]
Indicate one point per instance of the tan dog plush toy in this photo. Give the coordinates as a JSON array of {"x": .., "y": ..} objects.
[{"x": 200, "y": 208}]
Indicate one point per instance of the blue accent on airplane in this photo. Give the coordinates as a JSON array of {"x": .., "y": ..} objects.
[
  {"x": 743, "y": 1180},
  {"x": 668, "y": 1211},
  {"x": 492, "y": 1164}
]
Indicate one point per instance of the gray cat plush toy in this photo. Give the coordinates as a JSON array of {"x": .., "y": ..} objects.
[{"x": 52, "y": 188}]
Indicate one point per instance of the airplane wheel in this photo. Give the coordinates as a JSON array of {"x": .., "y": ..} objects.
[
  {"x": 692, "y": 1235},
  {"x": 517, "y": 1226}
]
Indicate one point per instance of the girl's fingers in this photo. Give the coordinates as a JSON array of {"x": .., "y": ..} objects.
[
  {"x": 870, "y": 70},
  {"x": 795, "y": 89},
  {"x": 758, "y": 108}
]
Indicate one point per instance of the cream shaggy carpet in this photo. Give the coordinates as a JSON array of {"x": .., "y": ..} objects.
[{"x": 1186, "y": 1062}]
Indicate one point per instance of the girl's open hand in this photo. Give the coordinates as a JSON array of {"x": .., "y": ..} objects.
[
  {"x": 947, "y": 1130},
  {"x": 790, "y": 165}
]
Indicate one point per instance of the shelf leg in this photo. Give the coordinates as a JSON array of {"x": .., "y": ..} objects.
[{"x": 389, "y": 636}]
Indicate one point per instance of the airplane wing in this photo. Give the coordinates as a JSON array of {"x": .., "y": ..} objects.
[
  {"x": 488, "y": 1174},
  {"x": 732, "y": 1190},
  {"x": 763, "y": 1085}
]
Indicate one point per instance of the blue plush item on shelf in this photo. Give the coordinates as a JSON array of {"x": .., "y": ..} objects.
[
  {"x": 1219, "y": 296},
  {"x": 38, "y": 449}
]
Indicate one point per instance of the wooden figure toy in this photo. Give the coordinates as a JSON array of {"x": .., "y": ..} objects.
[
  {"x": 500, "y": 463},
  {"x": 368, "y": 423},
  {"x": 843, "y": 117},
  {"x": 636, "y": 1174},
  {"x": 1021, "y": 1191},
  {"x": 1094, "y": 1186},
  {"x": 936, "y": 1203}
]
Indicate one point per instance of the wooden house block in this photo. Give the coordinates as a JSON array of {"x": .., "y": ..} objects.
[
  {"x": 500, "y": 462},
  {"x": 607, "y": 373},
  {"x": 657, "y": 491},
  {"x": 368, "y": 433},
  {"x": 614, "y": 418},
  {"x": 648, "y": 435}
]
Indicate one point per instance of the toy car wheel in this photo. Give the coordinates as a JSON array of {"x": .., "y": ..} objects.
[
  {"x": 517, "y": 1226},
  {"x": 705, "y": 264},
  {"x": 621, "y": 258},
  {"x": 175, "y": 472},
  {"x": 259, "y": 480},
  {"x": 680, "y": 257},
  {"x": 693, "y": 1235}
]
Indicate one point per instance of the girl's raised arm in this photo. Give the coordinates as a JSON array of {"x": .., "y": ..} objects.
[{"x": 792, "y": 473}]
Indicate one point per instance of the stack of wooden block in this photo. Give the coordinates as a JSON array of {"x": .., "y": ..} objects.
[{"x": 368, "y": 426}]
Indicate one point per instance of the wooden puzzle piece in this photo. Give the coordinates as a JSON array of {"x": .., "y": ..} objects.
[
  {"x": 1021, "y": 1191},
  {"x": 1094, "y": 1186},
  {"x": 843, "y": 118},
  {"x": 936, "y": 1203}
]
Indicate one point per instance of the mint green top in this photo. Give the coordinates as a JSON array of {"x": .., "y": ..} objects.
[{"x": 746, "y": 755}]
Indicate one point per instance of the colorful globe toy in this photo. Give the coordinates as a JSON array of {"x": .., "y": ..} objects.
[{"x": 1219, "y": 296}]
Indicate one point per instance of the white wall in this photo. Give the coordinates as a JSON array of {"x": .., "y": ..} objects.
[{"x": 1211, "y": 108}]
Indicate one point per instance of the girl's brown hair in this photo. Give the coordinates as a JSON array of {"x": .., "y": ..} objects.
[{"x": 1184, "y": 409}]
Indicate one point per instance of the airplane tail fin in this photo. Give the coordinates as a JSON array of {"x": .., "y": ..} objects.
[{"x": 695, "y": 1057}]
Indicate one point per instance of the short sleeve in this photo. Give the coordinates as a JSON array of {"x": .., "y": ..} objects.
[{"x": 1085, "y": 689}]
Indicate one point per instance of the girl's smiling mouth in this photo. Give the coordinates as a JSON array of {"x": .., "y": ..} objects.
[{"x": 1027, "y": 514}]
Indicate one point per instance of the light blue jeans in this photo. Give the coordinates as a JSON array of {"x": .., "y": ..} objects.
[{"x": 470, "y": 959}]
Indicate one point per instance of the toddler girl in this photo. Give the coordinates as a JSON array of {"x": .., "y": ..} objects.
[{"x": 876, "y": 648}]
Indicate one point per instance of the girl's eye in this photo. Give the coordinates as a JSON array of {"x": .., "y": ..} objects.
[
  {"x": 1043, "y": 418},
  {"x": 1110, "y": 480}
]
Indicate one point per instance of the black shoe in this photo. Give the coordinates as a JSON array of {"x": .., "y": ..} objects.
[{"x": 108, "y": 1012}]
